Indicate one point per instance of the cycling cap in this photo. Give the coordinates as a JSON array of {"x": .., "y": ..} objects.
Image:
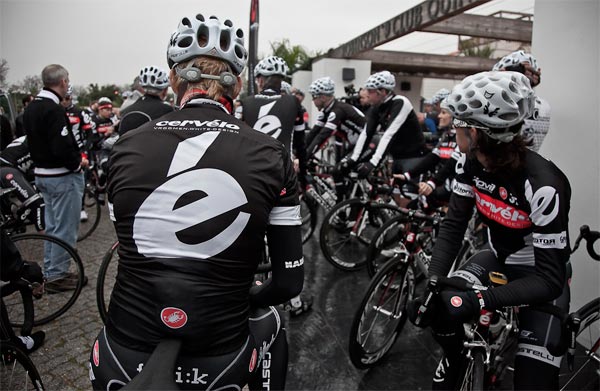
[
  {"x": 322, "y": 86},
  {"x": 272, "y": 65},
  {"x": 440, "y": 95},
  {"x": 154, "y": 77},
  {"x": 516, "y": 58},
  {"x": 286, "y": 87},
  {"x": 383, "y": 79},
  {"x": 223, "y": 41},
  {"x": 492, "y": 102}
]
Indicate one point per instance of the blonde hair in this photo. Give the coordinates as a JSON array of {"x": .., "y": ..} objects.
[{"x": 211, "y": 66}]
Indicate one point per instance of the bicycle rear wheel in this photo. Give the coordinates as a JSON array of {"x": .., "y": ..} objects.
[
  {"x": 107, "y": 275},
  {"x": 472, "y": 377},
  {"x": 381, "y": 314},
  {"x": 17, "y": 371},
  {"x": 55, "y": 301},
  {"x": 347, "y": 230},
  {"x": 93, "y": 210}
]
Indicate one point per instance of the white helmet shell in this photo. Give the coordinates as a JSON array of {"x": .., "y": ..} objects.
[
  {"x": 440, "y": 95},
  {"x": 383, "y": 79},
  {"x": 497, "y": 100},
  {"x": 272, "y": 65},
  {"x": 322, "y": 86},
  {"x": 516, "y": 58},
  {"x": 286, "y": 88},
  {"x": 223, "y": 41},
  {"x": 154, "y": 77}
]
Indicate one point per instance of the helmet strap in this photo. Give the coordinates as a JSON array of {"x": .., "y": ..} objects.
[{"x": 193, "y": 74}]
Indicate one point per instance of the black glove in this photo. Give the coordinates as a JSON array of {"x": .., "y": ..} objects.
[
  {"x": 462, "y": 306},
  {"x": 364, "y": 169},
  {"x": 32, "y": 272},
  {"x": 345, "y": 166}
]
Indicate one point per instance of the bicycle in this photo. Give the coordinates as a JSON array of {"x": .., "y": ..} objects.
[
  {"x": 381, "y": 314},
  {"x": 90, "y": 203},
  {"x": 17, "y": 370}
]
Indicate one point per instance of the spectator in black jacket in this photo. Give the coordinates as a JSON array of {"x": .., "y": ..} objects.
[
  {"x": 58, "y": 175},
  {"x": 20, "y": 130}
]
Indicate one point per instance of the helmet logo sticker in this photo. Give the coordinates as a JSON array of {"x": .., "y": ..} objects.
[{"x": 488, "y": 95}]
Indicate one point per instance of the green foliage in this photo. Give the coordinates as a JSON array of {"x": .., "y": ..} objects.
[
  {"x": 472, "y": 48},
  {"x": 296, "y": 56}
]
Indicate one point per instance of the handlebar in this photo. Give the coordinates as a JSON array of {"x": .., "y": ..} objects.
[{"x": 590, "y": 237}]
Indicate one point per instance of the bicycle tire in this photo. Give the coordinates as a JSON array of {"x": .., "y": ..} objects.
[
  {"x": 17, "y": 370},
  {"x": 385, "y": 299},
  {"x": 102, "y": 294},
  {"x": 53, "y": 303},
  {"x": 308, "y": 213},
  {"x": 586, "y": 372},
  {"x": 340, "y": 244},
  {"x": 94, "y": 211},
  {"x": 473, "y": 372},
  {"x": 386, "y": 238}
]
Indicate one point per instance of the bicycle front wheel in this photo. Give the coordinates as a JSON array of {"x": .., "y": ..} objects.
[
  {"x": 91, "y": 218},
  {"x": 347, "y": 230},
  {"x": 17, "y": 371},
  {"x": 59, "y": 295},
  {"x": 472, "y": 378},
  {"x": 387, "y": 242},
  {"x": 107, "y": 275},
  {"x": 382, "y": 313}
]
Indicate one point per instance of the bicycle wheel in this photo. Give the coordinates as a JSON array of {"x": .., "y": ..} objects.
[
  {"x": 472, "y": 378},
  {"x": 347, "y": 230},
  {"x": 56, "y": 300},
  {"x": 386, "y": 243},
  {"x": 107, "y": 275},
  {"x": 308, "y": 213},
  {"x": 93, "y": 211},
  {"x": 586, "y": 373},
  {"x": 381, "y": 314},
  {"x": 17, "y": 371}
]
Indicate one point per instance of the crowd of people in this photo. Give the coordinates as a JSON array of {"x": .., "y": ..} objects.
[{"x": 200, "y": 191}]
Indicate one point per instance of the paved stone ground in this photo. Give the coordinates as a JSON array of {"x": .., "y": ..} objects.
[{"x": 62, "y": 361}]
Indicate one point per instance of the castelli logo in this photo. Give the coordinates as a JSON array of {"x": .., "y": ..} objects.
[
  {"x": 96, "y": 354},
  {"x": 456, "y": 301},
  {"x": 410, "y": 237},
  {"x": 174, "y": 318},
  {"x": 503, "y": 193},
  {"x": 253, "y": 361},
  {"x": 9, "y": 176},
  {"x": 283, "y": 192}
]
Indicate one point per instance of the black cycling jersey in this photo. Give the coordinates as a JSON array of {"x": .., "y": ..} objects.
[
  {"x": 17, "y": 155},
  {"x": 147, "y": 108},
  {"x": 99, "y": 131},
  {"x": 192, "y": 195},
  {"x": 527, "y": 218},
  {"x": 339, "y": 118},
  {"x": 272, "y": 113},
  {"x": 402, "y": 136},
  {"x": 81, "y": 123}
]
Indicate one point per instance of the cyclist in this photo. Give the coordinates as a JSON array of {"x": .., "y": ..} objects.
[
  {"x": 99, "y": 144},
  {"x": 155, "y": 82},
  {"x": 191, "y": 213},
  {"x": 12, "y": 267},
  {"x": 524, "y": 200},
  {"x": 335, "y": 118},
  {"x": 394, "y": 116},
  {"x": 16, "y": 171},
  {"x": 536, "y": 127}
]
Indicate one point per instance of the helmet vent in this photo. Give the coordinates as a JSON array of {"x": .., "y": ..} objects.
[
  {"x": 200, "y": 17},
  {"x": 225, "y": 40},
  {"x": 185, "y": 42},
  {"x": 203, "y": 36},
  {"x": 186, "y": 22}
]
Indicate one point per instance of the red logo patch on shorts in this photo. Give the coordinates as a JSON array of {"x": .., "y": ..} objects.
[
  {"x": 253, "y": 361},
  {"x": 503, "y": 193},
  {"x": 96, "y": 354},
  {"x": 283, "y": 192},
  {"x": 174, "y": 318},
  {"x": 9, "y": 176},
  {"x": 456, "y": 301}
]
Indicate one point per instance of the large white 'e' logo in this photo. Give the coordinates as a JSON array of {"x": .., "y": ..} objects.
[
  {"x": 224, "y": 194},
  {"x": 268, "y": 124}
]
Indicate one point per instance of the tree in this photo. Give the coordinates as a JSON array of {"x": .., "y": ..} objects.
[
  {"x": 295, "y": 56},
  {"x": 3, "y": 71},
  {"x": 475, "y": 48}
]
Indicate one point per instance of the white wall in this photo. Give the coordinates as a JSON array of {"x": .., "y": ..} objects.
[{"x": 566, "y": 42}]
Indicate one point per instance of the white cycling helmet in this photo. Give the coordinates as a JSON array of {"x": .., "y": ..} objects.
[
  {"x": 492, "y": 102},
  {"x": 286, "y": 88},
  {"x": 444, "y": 102},
  {"x": 383, "y": 79},
  {"x": 223, "y": 41},
  {"x": 272, "y": 65},
  {"x": 322, "y": 86},
  {"x": 516, "y": 58},
  {"x": 440, "y": 95},
  {"x": 154, "y": 77}
]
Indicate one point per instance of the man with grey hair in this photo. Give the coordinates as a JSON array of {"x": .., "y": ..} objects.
[{"x": 58, "y": 175}]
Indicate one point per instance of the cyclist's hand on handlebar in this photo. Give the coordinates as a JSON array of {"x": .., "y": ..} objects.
[
  {"x": 425, "y": 188},
  {"x": 401, "y": 177},
  {"x": 461, "y": 305},
  {"x": 345, "y": 165}
]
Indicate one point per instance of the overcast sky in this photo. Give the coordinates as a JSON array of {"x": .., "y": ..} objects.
[{"x": 108, "y": 41}]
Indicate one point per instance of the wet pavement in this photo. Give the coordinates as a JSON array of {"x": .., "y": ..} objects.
[{"x": 318, "y": 340}]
